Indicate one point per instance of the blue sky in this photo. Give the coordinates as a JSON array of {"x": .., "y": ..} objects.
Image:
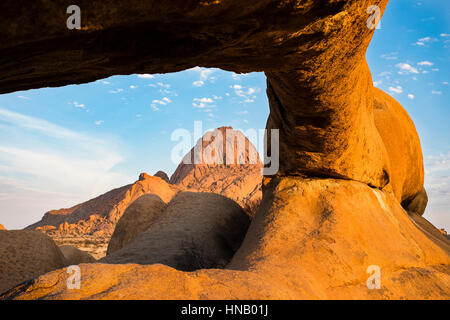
[{"x": 61, "y": 146}]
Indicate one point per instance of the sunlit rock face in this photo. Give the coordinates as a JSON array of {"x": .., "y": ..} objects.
[
  {"x": 312, "y": 53},
  {"x": 223, "y": 161},
  {"x": 90, "y": 225},
  {"x": 162, "y": 175},
  {"x": 335, "y": 206}
]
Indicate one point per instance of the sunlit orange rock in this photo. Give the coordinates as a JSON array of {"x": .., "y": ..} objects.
[
  {"x": 336, "y": 206},
  {"x": 310, "y": 239},
  {"x": 224, "y": 161}
]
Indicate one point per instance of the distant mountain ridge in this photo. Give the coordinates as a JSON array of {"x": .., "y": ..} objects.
[
  {"x": 237, "y": 176},
  {"x": 89, "y": 225}
]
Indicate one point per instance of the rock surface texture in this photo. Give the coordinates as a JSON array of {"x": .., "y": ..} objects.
[
  {"x": 225, "y": 162},
  {"x": 320, "y": 252},
  {"x": 337, "y": 204},
  {"x": 89, "y": 225},
  {"x": 138, "y": 217},
  {"x": 75, "y": 256},
  {"x": 25, "y": 255},
  {"x": 162, "y": 175},
  {"x": 197, "y": 230}
]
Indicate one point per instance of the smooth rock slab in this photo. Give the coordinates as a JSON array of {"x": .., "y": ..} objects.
[
  {"x": 310, "y": 239},
  {"x": 25, "y": 255},
  {"x": 138, "y": 217},
  {"x": 197, "y": 230},
  {"x": 75, "y": 256}
]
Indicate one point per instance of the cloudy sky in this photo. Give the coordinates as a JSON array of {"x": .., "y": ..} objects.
[{"x": 61, "y": 146}]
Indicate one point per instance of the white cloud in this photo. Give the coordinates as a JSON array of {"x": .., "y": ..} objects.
[
  {"x": 79, "y": 105},
  {"x": 411, "y": 96},
  {"x": 390, "y": 56},
  {"x": 133, "y": 87},
  {"x": 115, "y": 91},
  {"x": 437, "y": 184},
  {"x": 201, "y": 103},
  {"x": 377, "y": 83},
  {"x": 198, "y": 83},
  {"x": 425, "y": 39},
  {"x": 99, "y": 122},
  {"x": 204, "y": 73},
  {"x": 204, "y": 100},
  {"x": 425, "y": 63},
  {"x": 248, "y": 94},
  {"x": 385, "y": 73},
  {"x": 42, "y": 126},
  {"x": 23, "y": 97},
  {"x": 52, "y": 159},
  {"x": 164, "y": 85},
  {"x": 238, "y": 76},
  {"x": 445, "y": 35},
  {"x": 145, "y": 76},
  {"x": 163, "y": 102},
  {"x": 406, "y": 68},
  {"x": 438, "y": 93},
  {"x": 397, "y": 89}
]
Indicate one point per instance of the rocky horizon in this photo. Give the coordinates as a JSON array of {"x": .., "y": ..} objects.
[{"x": 89, "y": 225}]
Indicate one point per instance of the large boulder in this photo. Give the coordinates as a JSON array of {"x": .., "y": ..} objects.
[
  {"x": 329, "y": 214},
  {"x": 313, "y": 53},
  {"x": 138, "y": 217},
  {"x": 25, "y": 255},
  {"x": 197, "y": 230},
  {"x": 310, "y": 239},
  {"x": 162, "y": 175},
  {"x": 90, "y": 225},
  {"x": 75, "y": 256},
  {"x": 402, "y": 143}
]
